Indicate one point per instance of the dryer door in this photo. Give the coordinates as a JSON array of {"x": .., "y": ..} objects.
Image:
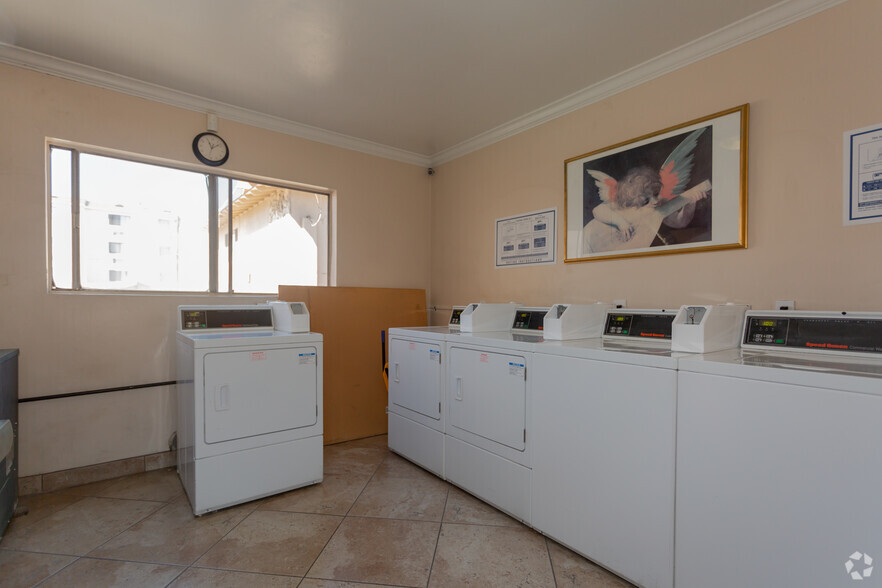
[
  {"x": 256, "y": 392},
  {"x": 487, "y": 393},
  {"x": 415, "y": 376}
]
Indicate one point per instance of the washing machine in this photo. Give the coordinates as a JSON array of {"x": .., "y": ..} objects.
[
  {"x": 249, "y": 405},
  {"x": 779, "y": 472},
  {"x": 604, "y": 422},
  {"x": 487, "y": 442},
  {"x": 416, "y": 392}
]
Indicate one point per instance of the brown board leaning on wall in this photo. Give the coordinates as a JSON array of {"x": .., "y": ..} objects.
[{"x": 350, "y": 320}]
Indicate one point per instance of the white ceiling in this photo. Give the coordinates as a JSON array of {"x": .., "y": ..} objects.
[{"x": 422, "y": 80}]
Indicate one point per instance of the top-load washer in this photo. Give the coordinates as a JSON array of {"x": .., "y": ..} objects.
[
  {"x": 779, "y": 473},
  {"x": 487, "y": 443},
  {"x": 249, "y": 405},
  {"x": 604, "y": 418},
  {"x": 416, "y": 392}
]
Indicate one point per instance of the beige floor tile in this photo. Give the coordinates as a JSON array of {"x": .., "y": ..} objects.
[
  {"x": 173, "y": 535},
  {"x": 472, "y": 555},
  {"x": 18, "y": 568},
  {"x": 381, "y": 441},
  {"x": 399, "y": 467},
  {"x": 379, "y": 551},
  {"x": 157, "y": 485},
  {"x": 39, "y": 506},
  {"x": 334, "y": 495},
  {"x": 273, "y": 542},
  {"x": 313, "y": 583},
  {"x": 413, "y": 496},
  {"x": 205, "y": 578},
  {"x": 348, "y": 460},
  {"x": 462, "y": 507},
  {"x": 99, "y": 573},
  {"x": 573, "y": 570},
  {"x": 80, "y": 527}
]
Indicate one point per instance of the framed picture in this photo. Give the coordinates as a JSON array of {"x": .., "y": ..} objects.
[{"x": 679, "y": 190}]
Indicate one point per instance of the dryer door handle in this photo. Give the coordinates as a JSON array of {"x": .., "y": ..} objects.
[
  {"x": 459, "y": 388},
  {"x": 222, "y": 397},
  {"x": 397, "y": 372}
]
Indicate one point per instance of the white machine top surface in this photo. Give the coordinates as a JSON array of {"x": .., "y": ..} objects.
[
  {"x": 237, "y": 338},
  {"x": 857, "y": 374},
  {"x": 501, "y": 339},
  {"x": 435, "y": 333},
  {"x": 639, "y": 352}
]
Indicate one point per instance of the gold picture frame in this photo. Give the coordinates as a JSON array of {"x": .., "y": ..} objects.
[{"x": 679, "y": 190}]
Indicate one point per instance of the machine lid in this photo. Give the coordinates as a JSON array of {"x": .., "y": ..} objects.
[{"x": 816, "y": 332}]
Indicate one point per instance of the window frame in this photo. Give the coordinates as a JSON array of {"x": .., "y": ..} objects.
[{"x": 325, "y": 266}]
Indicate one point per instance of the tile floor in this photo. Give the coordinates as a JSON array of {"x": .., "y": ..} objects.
[{"x": 375, "y": 520}]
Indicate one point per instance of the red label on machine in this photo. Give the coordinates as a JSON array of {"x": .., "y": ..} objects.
[
  {"x": 411, "y": 345},
  {"x": 485, "y": 358},
  {"x": 258, "y": 355}
]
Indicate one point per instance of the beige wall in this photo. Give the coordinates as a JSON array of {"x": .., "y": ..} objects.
[
  {"x": 806, "y": 84},
  {"x": 74, "y": 342}
]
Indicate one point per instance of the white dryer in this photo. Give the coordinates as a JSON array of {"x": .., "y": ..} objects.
[
  {"x": 779, "y": 472},
  {"x": 416, "y": 392},
  {"x": 249, "y": 406},
  {"x": 487, "y": 444},
  {"x": 604, "y": 419}
]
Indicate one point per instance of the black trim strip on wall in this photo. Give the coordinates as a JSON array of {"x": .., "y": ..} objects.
[{"x": 101, "y": 391}]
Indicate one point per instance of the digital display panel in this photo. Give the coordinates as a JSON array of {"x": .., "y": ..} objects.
[{"x": 454, "y": 316}]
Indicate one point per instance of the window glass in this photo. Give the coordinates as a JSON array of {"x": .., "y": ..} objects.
[
  {"x": 142, "y": 227},
  {"x": 276, "y": 236},
  {"x": 60, "y": 221},
  {"x": 150, "y": 227}
]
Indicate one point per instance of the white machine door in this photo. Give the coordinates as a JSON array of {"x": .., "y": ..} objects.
[
  {"x": 488, "y": 395},
  {"x": 415, "y": 376},
  {"x": 256, "y": 392}
]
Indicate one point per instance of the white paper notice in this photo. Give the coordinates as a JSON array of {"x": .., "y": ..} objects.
[
  {"x": 862, "y": 184},
  {"x": 526, "y": 239}
]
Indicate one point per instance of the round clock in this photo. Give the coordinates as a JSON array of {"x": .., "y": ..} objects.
[{"x": 210, "y": 149}]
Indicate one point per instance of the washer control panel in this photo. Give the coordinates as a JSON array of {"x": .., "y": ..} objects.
[
  {"x": 639, "y": 324},
  {"x": 527, "y": 319},
  {"x": 826, "y": 332},
  {"x": 207, "y": 318}
]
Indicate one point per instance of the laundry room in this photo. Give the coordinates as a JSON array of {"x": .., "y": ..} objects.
[{"x": 398, "y": 159}]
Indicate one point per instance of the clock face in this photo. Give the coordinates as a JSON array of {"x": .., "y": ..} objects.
[{"x": 210, "y": 149}]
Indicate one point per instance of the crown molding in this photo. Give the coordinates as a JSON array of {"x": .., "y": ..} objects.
[
  {"x": 747, "y": 29},
  {"x": 47, "y": 64}
]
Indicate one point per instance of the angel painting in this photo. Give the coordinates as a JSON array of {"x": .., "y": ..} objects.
[{"x": 633, "y": 203}]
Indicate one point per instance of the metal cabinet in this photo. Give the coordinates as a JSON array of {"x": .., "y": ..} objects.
[{"x": 8, "y": 435}]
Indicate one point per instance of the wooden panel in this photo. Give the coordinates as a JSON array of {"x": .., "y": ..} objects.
[{"x": 351, "y": 319}]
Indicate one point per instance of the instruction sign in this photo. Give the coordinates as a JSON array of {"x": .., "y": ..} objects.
[
  {"x": 862, "y": 184},
  {"x": 526, "y": 239}
]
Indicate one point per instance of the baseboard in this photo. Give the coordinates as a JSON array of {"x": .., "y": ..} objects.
[{"x": 52, "y": 481}]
